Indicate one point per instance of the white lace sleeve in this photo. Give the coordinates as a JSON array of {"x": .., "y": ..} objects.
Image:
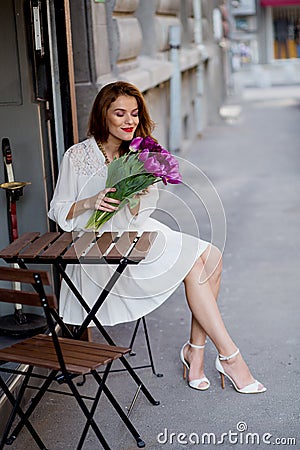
[
  {"x": 82, "y": 174},
  {"x": 64, "y": 195}
]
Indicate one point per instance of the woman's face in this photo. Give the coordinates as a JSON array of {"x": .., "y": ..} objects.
[{"x": 123, "y": 118}]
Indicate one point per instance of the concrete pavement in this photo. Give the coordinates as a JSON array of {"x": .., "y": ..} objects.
[{"x": 254, "y": 163}]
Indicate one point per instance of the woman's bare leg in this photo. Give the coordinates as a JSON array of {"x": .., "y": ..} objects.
[
  {"x": 209, "y": 269},
  {"x": 211, "y": 260},
  {"x": 207, "y": 319}
]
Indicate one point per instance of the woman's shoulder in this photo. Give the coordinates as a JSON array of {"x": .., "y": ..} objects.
[
  {"x": 84, "y": 157},
  {"x": 79, "y": 148}
]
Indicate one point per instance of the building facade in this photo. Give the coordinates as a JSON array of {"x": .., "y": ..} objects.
[
  {"x": 266, "y": 40},
  {"x": 161, "y": 46}
]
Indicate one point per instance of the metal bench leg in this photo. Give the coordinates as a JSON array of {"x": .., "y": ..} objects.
[
  {"x": 18, "y": 401},
  {"x": 95, "y": 404},
  {"x": 149, "y": 348},
  {"x": 24, "y": 418},
  {"x": 88, "y": 414},
  {"x": 34, "y": 402},
  {"x": 140, "y": 443},
  {"x": 132, "y": 353}
]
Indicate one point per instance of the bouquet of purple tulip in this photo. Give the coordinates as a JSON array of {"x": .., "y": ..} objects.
[{"x": 146, "y": 163}]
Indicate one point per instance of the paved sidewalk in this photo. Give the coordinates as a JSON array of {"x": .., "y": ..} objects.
[{"x": 254, "y": 163}]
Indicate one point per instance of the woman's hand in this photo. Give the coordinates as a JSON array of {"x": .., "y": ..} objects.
[
  {"x": 143, "y": 192},
  {"x": 104, "y": 203},
  {"x": 98, "y": 201}
]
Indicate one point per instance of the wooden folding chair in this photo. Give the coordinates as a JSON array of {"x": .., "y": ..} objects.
[{"x": 65, "y": 359}]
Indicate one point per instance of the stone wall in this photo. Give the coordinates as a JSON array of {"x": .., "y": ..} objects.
[{"x": 129, "y": 40}]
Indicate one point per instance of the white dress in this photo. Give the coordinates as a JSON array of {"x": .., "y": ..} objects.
[{"x": 141, "y": 288}]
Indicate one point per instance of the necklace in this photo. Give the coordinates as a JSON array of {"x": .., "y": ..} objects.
[{"x": 107, "y": 161}]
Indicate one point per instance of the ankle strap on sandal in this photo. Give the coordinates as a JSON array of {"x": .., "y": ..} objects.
[
  {"x": 227, "y": 358},
  {"x": 197, "y": 346}
]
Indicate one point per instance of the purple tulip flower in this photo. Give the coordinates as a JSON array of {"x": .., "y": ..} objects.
[
  {"x": 157, "y": 160},
  {"x": 144, "y": 154},
  {"x": 148, "y": 143},
  {"x": 151, "y": 165},
  {"x": 135, "y": 144}
]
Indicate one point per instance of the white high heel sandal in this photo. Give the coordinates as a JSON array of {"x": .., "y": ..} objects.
[
  {"x": 252, "y": 388},
  {"x": 194, "y": 384}
]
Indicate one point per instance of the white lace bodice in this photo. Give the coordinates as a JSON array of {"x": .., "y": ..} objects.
[{"x": 86, "y": 158}]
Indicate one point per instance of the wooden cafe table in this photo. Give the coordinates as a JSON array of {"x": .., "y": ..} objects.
[{"x": 62, "y": 248}]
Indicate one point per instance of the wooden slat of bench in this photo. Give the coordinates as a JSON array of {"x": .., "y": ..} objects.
[
  {"x": 25, "y": 298},
  {"x": 32, "y": 352},
  {"x": 79, "y": 246},
  {"x": 29, "y": 351},
  {"x": 100, "y": 247},
  {"x": 122, "y": 246},
  {"x": 142, "y": 247},
  {"x": 32, "y": 250},
  {"x": 59, "y": 246},
  {"x": 72, "y": 355},
  {"x": 22, "y": 275},
  {"x": 76, "y": 349},
  {"x": 9, "y": 356},
  {"x": 96, "y": 346},
  {"x": 13, "y": 249}
]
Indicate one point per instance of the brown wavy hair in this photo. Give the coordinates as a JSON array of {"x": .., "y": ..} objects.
[{"x": 97, "y": 125}]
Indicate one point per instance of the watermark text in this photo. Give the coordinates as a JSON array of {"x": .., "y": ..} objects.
[{"x": 240, "y": 435}]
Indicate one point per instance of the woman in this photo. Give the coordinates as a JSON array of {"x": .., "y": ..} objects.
[{"x": 118, "y": 115}]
